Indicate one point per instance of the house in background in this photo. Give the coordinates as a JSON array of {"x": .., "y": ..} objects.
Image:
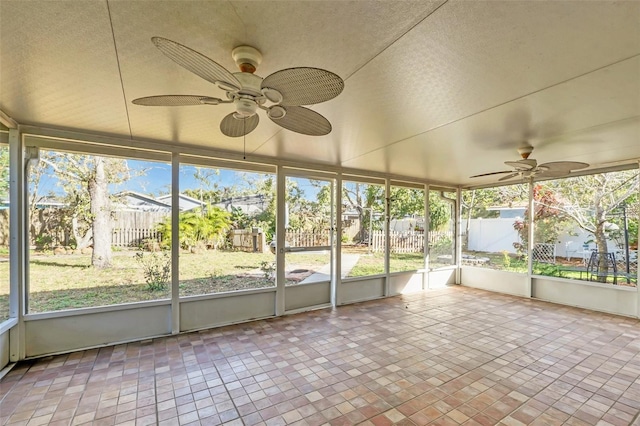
[
  {"x": 509, "y": 212},
  {"x": 134, "y": 201},
  {"x": 186, "y": 203},
  {"x": 248, "y": 204}
]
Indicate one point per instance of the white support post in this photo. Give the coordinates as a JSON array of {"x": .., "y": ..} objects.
[
  {"x": 638, "y": 260},
  {"x": 175, "y": 243},
  {"x": 387, "y": 243},
  {"x": 530, "y": 241},
  {"x": 337, "y": 276},
  {"x": 281, "y": 190},
  {"x": 425, "y": 276},
  {"x": 18, "y": 231},
  {"x": 458, "y": 234}
]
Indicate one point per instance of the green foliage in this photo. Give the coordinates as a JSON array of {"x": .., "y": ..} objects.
[
  {"x": 305, "y": 214},
  {"x": 506, "y": 259},
  {"x": 156, "y": 268},
  {"x": 440, "y": 212},
  {"x": 198, "y": 228},
  {"x": 44, "y": 242},
  {"x": 406, "y": 202},
  {"x": 444, "y": 245},
  {"x": 4, "y": 173},
  {"x": 268, "y": 268},
  {"x": 548, "y": 217}
]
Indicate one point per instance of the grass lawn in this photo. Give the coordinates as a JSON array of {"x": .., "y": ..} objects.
[
  {"x": 373, "y": 263},
  {"x": 68, "y": 281}
]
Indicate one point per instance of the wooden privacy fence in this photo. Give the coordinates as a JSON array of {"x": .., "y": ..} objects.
[
  {"x": 407, "y": 242},
  {"x": 133, "y": 237},
  {"x": 307, "y": 239},
  {"x": 130, "y": 228}
]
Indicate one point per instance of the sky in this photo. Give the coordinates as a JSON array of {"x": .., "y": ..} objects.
[{"x": 154, "y": 178}]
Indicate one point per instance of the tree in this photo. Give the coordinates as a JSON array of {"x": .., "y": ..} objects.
[
  {"x": 207, "y": 190},
  {"x": 406, "y": 202},
  {"x": 548, "y": 219},
  {"x": 368, "y": 201},
  {"x": 439, "y": 211},
  {"x": 85, "y": 181},
  {"x": 590, "y": 200}
]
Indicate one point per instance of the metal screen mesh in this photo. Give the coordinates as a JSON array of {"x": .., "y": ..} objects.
[
  {"x": 304, "y": 86},
  {"x": 234, "y": 127}
]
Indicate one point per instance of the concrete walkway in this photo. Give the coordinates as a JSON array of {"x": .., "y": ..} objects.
[{"x": 323, "y": 273}]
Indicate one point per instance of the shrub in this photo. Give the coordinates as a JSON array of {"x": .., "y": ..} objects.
[
  {"x": 157, "y": 269},
  {"x": 268, "y": 268}
]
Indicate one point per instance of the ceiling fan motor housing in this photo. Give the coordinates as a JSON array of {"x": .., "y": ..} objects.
[
  {"x": 525, "y": 151},
  {"x": 247, "y": 58}
]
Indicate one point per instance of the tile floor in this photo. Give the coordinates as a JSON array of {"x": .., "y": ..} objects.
[{"x": 443, "y": 357}]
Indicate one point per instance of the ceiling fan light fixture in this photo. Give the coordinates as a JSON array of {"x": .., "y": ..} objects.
[
  {"x": 245, "y": 107},
  {"x": 276, "y": 112}
]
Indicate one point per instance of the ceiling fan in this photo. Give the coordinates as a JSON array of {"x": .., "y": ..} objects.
[
  {"x": 528, "y": 167},
  {"x": 281, "y": 94}
]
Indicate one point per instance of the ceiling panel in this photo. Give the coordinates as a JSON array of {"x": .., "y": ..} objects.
[
  {"x": 434, "y": 90},
  {"x": 288, "y": 34},
  {"x": 471, "y": 56},
  {"x": 59, "y": 66},
  {"x": 577, "y": 120}
]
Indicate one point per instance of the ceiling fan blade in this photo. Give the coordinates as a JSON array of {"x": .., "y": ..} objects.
[
  {"x": 507, "y": 177},
  {"x": 492, "y": 173},
  {"x": 552, "y": 173},
  {"x": 176, "y": 100},
  {"x": 303, "y": 120},
  {"x": 525, "y": 164},
  {"x": 304, "y": 86},
  {"x": 195, "y": 62},
  {"x": 566, "y": 166},
  {"x": 236, "y": 127}
]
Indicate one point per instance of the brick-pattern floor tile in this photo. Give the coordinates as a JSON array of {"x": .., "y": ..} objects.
[{"x": 453, "y": 356}]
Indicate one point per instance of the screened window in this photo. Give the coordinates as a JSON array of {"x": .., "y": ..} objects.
[
  {"x": 308, "y": 219},
  {"x": 363, "y": 239},
  {"x": 442, "y": 227},
  {"x": 586, "y": 228},
  {"x": 406, "y": 229},
  {"x": 93, "y": 231},
  {"x": 4, "y": 232},
  {"x": 492, "y": 221},
  {"x": 226, "y": 224}
]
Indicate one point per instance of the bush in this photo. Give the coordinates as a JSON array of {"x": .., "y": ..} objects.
[
  {"x": 157, "y": 269},
  {"x": 268, "y": 269}
]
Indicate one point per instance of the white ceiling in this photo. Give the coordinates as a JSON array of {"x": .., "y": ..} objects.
[{"x": 433, "y": 90}]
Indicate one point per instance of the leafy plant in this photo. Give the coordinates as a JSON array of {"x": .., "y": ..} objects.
[
  {"x": 506, "y": 259},
  {"x": 156, "y": 268},
  {"x": 268, "y": 268},
  {"x": 198, "y": 228}
]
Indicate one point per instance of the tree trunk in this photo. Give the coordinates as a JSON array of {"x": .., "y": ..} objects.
[
  {"x": 601, "y": 240},
  {"x": 82, "y": 241},
  {"x": 101, "y": 214}
]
